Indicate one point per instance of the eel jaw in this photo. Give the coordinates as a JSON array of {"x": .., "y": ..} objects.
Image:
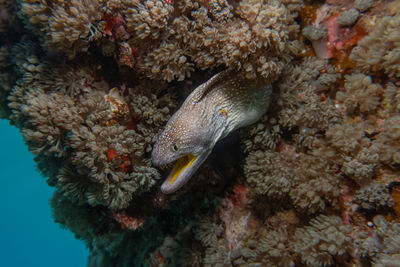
[{"x": 182, "y": 171}]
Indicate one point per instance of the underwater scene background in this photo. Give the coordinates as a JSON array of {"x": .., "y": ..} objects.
[
  {"x": 29, "y": 236},
  {"x": 90, "y": 85}
]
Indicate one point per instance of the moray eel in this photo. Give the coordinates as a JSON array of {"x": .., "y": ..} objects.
[{"x": 214, "y": 109}]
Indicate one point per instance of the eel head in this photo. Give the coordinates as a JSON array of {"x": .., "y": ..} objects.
[{"x": 187, "y": 141}]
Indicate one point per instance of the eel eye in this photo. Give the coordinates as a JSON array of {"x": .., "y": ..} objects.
[{"x": 174, "y": 147}]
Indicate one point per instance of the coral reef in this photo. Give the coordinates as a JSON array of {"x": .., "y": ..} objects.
[
  {"x": 379, "y": 51},
  {"x": 360, "y": 94},
  {"x": 314, "y": 34},
  {"x": 324, "y": 239},
  {"x": 348, "y": 17},
  {"x": 175, "y": 38},
  {"x": 68, "y": 115},
  {"x": 309, "y": 182},
  {"x": 373, "y": 196},
  {"x": 363, "y": 5},
  {"x": 64, "y": 26},
  {"x": 383, "y": 244},
  {"x": 269, "y": 249},
  {"x": 6, "y": 79},
  {"x": 315, "y": 182}
]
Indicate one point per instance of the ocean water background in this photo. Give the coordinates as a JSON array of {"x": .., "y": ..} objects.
[{"x": 29, "y": 236}]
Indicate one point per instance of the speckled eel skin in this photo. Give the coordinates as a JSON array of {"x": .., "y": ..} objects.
[{"x": 214, "y": 109}]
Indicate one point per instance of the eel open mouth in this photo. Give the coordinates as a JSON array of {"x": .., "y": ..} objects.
[
  {"x": 181, "y": 164},
  {"x": 180, "y": 174}
]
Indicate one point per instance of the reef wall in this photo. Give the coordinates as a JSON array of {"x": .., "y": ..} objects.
[{"x": 316, "y": 182}]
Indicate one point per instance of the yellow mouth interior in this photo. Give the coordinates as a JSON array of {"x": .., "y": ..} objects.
[{"x": 181, "y": 165}]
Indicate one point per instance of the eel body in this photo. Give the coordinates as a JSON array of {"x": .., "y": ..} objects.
[{"x": 214, "y": 109}]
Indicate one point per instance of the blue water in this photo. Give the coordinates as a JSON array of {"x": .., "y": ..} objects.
[{"x": 28, "y": 235}]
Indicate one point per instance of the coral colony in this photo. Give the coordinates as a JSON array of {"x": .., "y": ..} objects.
[{"x": 314, "y": 182}]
